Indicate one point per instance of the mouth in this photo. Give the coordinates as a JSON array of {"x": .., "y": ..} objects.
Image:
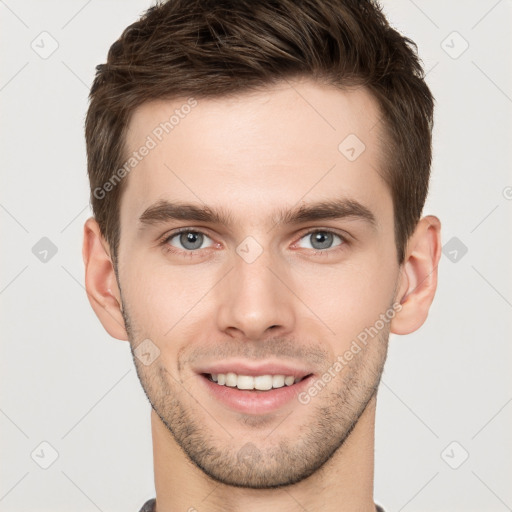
[
  {"x": 264, "y": 383},
  {"x": 255, "y": 394}
]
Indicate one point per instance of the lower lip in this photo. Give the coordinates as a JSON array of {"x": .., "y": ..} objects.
[{"x": 255, "y": 401}]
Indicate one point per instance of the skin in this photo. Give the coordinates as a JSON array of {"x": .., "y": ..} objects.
[{"x": 250, "y": 155}]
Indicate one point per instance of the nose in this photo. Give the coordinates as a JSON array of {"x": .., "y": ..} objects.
[{"x": 253, "y": 300}]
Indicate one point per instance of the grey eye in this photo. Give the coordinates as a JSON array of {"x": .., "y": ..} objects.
[
  {"x": 188, "y": 240},
  {"x": 319, "y": 240}
]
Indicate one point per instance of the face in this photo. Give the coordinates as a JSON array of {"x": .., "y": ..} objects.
[{"x": 257, "y": 240}]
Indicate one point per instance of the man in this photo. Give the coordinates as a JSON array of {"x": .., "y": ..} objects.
[{"x": 258, "y": 171}]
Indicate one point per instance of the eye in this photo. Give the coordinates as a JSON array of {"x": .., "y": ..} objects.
[
  {"x": 188, "y": 240},
  {"x": 321, "y": 240}
]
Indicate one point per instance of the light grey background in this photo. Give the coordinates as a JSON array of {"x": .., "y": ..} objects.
[{"x": 65, "y": 382}]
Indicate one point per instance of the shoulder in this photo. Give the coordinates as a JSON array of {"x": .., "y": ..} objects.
[{"x": 149, "y": 506}]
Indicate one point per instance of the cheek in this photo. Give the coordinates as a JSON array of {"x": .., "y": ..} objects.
[
  {"x": 161, "y": 298},
  {"x": 348, "y": 297}
]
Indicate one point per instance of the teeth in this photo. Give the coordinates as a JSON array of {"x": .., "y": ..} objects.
[
  {"x": 231, "y": 379},
  {"x": 278, "y": 381},
  {"x": 260, "y": 382},
  {"x": 248, "y": 382},
  {"x": 289, "y": 380}
]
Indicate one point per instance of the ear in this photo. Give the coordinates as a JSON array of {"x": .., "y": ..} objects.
[
  {"x": 100, "y": 281},
  {"x": 418, "y": 279}
]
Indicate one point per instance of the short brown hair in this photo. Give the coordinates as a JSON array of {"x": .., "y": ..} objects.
[{"x": 212, "y": 48}]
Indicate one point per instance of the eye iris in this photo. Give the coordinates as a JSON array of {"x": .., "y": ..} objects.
[
  {"x": 321, "y": 240},
  {"x": 193, "y": 238}
]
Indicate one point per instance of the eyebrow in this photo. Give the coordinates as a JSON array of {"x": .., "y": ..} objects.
[{"x": 163, "y": 211}]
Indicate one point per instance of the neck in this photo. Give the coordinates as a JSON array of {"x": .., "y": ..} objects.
[{"x": 343, "y": 484}]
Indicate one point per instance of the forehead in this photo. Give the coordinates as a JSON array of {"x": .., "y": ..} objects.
[{"x": 280, "y": 145}]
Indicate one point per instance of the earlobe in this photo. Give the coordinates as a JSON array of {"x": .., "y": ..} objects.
[
  {"x": 100, "y": 281},
  {"x": 418, "y": 281}
]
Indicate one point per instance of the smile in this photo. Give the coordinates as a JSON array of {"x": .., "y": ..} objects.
[
  {"x": 250, "y": 382},
  {"x": 254, "y": 394}
]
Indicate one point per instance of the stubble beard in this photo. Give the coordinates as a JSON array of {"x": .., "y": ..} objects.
[{"x": 280, "y": 459}]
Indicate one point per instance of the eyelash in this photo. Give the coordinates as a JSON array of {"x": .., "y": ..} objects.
[{"x": 164, "y": 242}]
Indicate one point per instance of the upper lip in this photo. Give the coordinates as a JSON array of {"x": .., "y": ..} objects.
[{"x": 254, "y": 369}]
